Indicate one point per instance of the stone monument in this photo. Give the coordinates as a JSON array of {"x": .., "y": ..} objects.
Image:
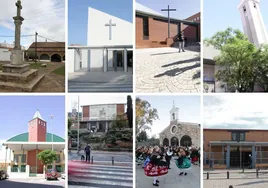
[
  {"x": 18, "y": 76},
  {"x": 252, "y": 22}
]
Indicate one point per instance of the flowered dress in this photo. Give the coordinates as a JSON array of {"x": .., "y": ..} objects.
[{"x": 156, "y": 167}]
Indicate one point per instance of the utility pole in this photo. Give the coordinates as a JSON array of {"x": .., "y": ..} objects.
[
  {"x": 36, "y": 34},
  {"x": 51, "y": 118},
  {"x": 78, "y": 124},
  {"x": 168, "y": 10}
]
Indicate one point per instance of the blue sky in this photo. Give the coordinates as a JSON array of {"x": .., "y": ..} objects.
[
  {"x": 17, "y": 111},
  {"x": 218, "y": 15},
  {"x": 184, "y": 8},
  {"x": 78, "y": 16},
  {"x": 189, "y": 110}
]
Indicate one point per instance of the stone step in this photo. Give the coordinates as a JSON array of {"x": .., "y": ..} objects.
[
  {"x": 21, "y": 87},
  {"x": 97, "y": 87},
  {"x": 18, "y": 77}
]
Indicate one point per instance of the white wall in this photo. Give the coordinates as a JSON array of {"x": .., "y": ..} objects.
[
  {"x": 4, "y": 54},
  {"x": 96, "y": 60},
  {"x": 70, "y": 60},
  {"x": 98, "y": 33}
]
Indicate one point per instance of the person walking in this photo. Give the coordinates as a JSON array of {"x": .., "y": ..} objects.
[
  {"x": 181, "y": 41},
  {"x": 87, "y": 152},
  {"x": 250, "y": 162}
]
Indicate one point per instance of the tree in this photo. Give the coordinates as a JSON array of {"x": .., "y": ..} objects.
[
  {"x": 144, "y": 115},
  {"x": 236, "y": 59},
  {"x": 142, "y": 136},
  {"x": 129, "y": 111},
  {"x": 119, "y": 122},
  {"x": 47, "y": 157}
]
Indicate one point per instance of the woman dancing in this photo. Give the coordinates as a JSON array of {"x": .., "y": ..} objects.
[
  {"x": 156, "y": 167},
  {"x": 183, "y": 162}
]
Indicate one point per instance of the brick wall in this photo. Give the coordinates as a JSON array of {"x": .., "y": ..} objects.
[
  {"x": 31, "y": 160},
  {"x": 37, "y": 132},
  {"x": 120, "y": 109},
  {"x": 85, "y": 111}
]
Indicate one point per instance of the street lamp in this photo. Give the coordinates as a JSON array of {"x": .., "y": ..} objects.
[{"x": 51, "y": 117}]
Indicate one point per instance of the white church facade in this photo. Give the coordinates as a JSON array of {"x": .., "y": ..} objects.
[
  {"x": 252, "y": 21},
  {"x": 109, "y": 45}
]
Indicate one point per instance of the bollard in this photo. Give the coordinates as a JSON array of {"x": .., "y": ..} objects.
[
  {"x": 112, "y": 160},
  {"x": 92, "y": 160},
  {"x": 207, "y": 175},
  {"x": 228, "y": 175},
  {"x": 257, "y": 173}
]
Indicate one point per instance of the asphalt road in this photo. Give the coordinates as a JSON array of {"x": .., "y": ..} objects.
[{"x": 34, "y": 182}]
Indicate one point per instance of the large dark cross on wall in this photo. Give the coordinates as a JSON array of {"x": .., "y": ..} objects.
[{"x": 168, "y": 10}]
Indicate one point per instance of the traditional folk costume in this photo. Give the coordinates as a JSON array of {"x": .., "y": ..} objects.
[
  {"x": 168, "y": 157},
  {"x": 183, "y": 163},
  {"x": 156, "y": 167},
  {"x": 194, "y": 156}
]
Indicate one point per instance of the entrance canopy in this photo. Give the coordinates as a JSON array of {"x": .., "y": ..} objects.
[
  {"x": 28, "y": 146},
  {"x": 233, "y": 143}
]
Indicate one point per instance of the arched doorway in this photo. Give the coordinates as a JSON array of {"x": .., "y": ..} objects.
[
  {"x": 174, "y": 141},
  {"x": 186, "y": 141},
  {"x": 165, "y": 142},
  {"x": 55, "y": 58},
  {"x": 44, "y": 57}
]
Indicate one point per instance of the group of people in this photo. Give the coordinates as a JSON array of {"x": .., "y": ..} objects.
[{"x": 156, "y": 160}]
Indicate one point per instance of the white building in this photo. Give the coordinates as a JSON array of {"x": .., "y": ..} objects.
[
  {"x": 5, "y": 54},
  {"x": 109, "y": 45},
  {"x": 252, "y": 21}
]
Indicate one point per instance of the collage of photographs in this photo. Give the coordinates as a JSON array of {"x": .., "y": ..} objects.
[{"x": 151, "y": 93}]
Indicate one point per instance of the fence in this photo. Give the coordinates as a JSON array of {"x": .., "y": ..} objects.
[{"x": 214, "y": 159}]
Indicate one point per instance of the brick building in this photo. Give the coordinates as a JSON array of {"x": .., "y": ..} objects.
[
  {"x": 99, "y": 118},
  {"x": 152, "y": 28},
  {"x": 47, "y": 51},
  {"x": 230, "y": 148},
  {"x": 22, "y": 150}
]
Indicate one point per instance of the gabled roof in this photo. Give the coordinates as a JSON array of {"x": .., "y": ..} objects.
[
  {"x": 38, "y": 115},
  {"x": 141, "y": 10}
]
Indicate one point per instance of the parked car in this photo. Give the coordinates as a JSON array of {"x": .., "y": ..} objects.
[
  {"x": 3, "y": 175},
  {"x": 52, "y": 174},
  {"x": 63, "y": 175}
]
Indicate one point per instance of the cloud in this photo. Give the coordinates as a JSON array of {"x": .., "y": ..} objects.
[
  {"x": 47, "y": 17},
  {"x": 236, "y": 111}
]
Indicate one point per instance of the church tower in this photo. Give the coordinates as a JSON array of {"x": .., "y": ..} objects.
[
  {"x": 174, "y": 114},
  {"x": 37, "y": 128},
  {"x": 252, "y": 21}
]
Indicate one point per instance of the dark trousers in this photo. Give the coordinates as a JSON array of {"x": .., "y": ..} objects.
[
  {"x": 88, "y": 157},
  {"x": 168, "y": 158}
]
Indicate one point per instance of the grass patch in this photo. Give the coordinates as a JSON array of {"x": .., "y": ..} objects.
[
  {"x": 35, "y": 65},
  {"x": 0, "y": 67},
  {"x": 60, "y": 71}
]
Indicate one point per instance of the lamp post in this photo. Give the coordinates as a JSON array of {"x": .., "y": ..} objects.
[
  {"x": 78, "y": 129},
  {"x": 51, "y": 118}
]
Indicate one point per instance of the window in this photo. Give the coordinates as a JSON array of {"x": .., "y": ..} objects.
[
  {"x": 244, "y": 8},
  {"x": 58, "y": 159},
  {"x": 145, "y": 27},
  {"x": 238, "y": 136},
  {"x": 254, "y": 4}
]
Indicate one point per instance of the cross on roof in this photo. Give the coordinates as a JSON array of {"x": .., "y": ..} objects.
[
  {"x": 110, "y": 24},
  {"x": 168, "y": 10}
]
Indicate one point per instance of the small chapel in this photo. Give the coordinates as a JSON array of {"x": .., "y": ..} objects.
[{"x": 179, "y": 133}]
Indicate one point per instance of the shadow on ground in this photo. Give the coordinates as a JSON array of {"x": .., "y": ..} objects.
[
  {"x": 12, "y": 184},
  {"x": 177, "y": 71},
  {"x": 196, "y": 59},
  {"x": 253, "y": 183}
]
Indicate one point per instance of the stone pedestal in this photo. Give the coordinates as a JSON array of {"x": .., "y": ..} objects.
[
  {"x": 16, "y": 68},
  {"x": 16, "y": 57}
]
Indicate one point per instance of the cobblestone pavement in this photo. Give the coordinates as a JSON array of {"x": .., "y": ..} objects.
[
  {"x": 166, "y": 70},
  {"x": 172, "y": 179},
  {"x": 237, "y": 183}
]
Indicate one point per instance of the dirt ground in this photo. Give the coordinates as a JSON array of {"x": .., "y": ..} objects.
[{"x": 51, "y": 82}]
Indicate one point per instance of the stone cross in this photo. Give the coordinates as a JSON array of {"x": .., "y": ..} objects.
[
  {"x": 168, "y": 10},
  {"x": 110, "y": 24},
  {"x": 18, "y": 21}
]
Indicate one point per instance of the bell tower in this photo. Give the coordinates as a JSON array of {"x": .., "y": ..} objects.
[
  {"x": 174, "y": 113},
  {"x": 252, "y": 22},
  {"x": 37, "y": 128}
]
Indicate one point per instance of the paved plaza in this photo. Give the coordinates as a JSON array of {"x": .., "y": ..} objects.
[
  {"x": 166, "y": 70},
  {"x": 171, "y": 180},
  {"x": 32, "y": 182}
]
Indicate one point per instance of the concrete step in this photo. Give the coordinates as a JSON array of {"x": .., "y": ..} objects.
[{"x": 100, "y": 87}]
